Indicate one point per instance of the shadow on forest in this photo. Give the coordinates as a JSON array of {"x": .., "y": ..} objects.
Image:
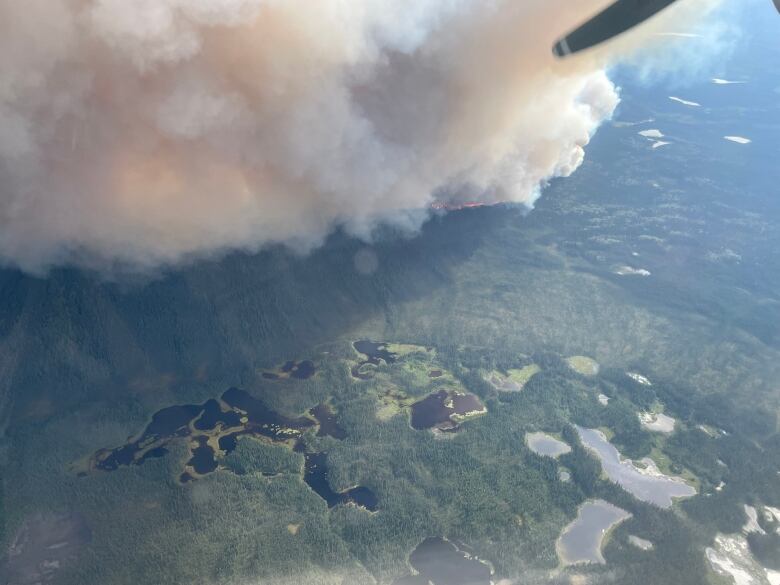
[{"x": 81, "y": 339}]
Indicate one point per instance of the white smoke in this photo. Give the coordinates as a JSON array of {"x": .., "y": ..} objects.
[{"x": 146, "y": 132}]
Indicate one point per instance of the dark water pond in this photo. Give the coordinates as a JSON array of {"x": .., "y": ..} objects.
[
  {"x": 154, "y": 454},
  {"x": 316, "y": 476},
  {"x": 197, "y": 420},
  {"x": 375, "y": 352},
  {"x": 292, "y": 369},
  {"x": 202, "y": 460},
  {"x": 329, "y": 426},
  {"x": 264, "y": 421},
  {"x": 236, "y": 414},
  {"x": 228, "y": 443},
  {"x": 441, "y": 562},
  {"x": 300, "y": 370},
  {"x": 166, "y": 424},
  {"x": 214, "y": 415},
  {"x": 172, "y": 421},
  {"x": 442, "y": 409}
]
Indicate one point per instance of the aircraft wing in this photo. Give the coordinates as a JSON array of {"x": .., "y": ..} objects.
[
  {"x": 615, "y": 19},
  {"x": 612, "y": 21}
]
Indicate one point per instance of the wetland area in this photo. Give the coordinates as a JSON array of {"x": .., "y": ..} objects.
[
  {"x": 375, "y": 354},
  {"x": 214, "y": 429}
]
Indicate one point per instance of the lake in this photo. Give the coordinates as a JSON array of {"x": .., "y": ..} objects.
[
  {"x": 648, "y": 485},
  {"x": 441, "y": 562},
  {"x": 582, "y": 540}
]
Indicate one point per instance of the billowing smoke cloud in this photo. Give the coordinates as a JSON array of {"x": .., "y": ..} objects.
[{"x": 147, "y": 132}]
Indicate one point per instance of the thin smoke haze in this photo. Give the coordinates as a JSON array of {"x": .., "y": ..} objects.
[{"x": 152, "y": 132}]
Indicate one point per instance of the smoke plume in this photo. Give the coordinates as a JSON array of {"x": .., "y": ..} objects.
[{"x": 147, "y": 132}]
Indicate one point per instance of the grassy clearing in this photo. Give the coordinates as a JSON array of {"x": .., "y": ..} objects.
[
  {"x": 583, "y": 365},
  {"x": 668, "y": 467},
  {"x": 391, "y": 401},
  {"x": 514, "y": 380},
  {"x": 419, "y": 371},
  {"x": 523, "y": 375},
  {"x": 608, "y": 433},
  {"x": 405, "y": 349}
]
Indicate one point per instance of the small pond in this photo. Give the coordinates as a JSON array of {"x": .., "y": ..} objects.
[
  {"x": 444, "y": 410},
  {"x": 317, "y": 478},
  {"x": 292, "y": 369},
  {"x": 547, "y": 445},
  {"x": 582, "y": 540},
  {"x": 376, "y": 353}
]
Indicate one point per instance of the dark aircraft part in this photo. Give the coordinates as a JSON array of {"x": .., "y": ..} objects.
[{"x": 615, "y": 19}]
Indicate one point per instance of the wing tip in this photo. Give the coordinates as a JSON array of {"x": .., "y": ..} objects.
[{"x": 561, "y": 48}]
